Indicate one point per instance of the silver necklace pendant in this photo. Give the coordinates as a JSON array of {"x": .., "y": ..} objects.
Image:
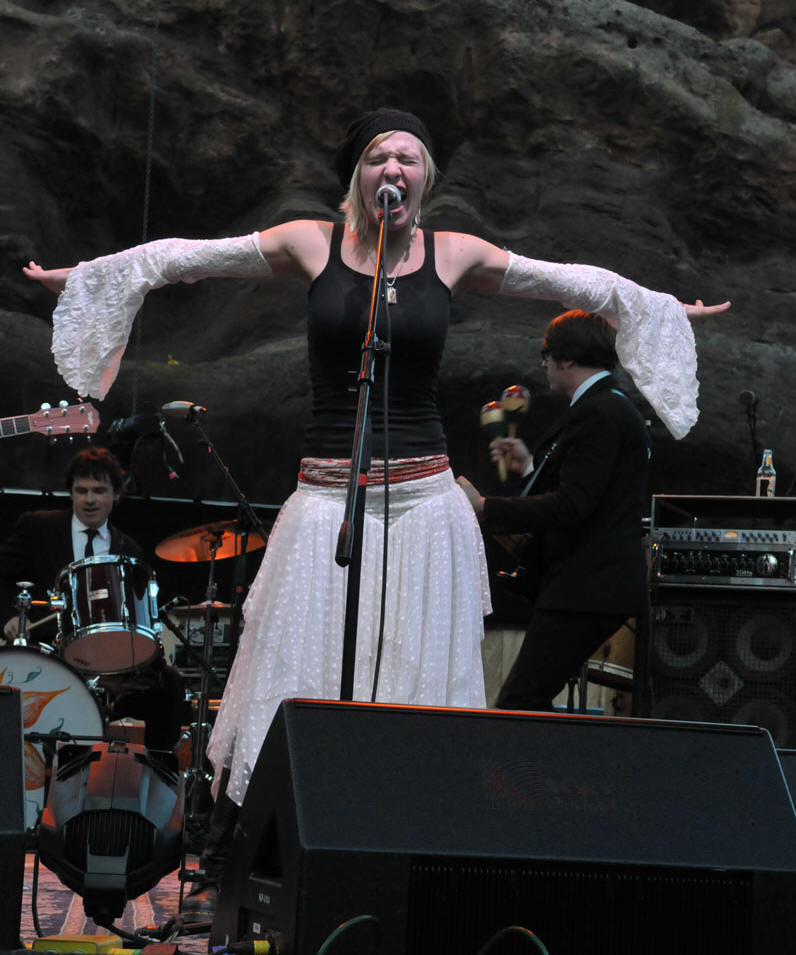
[{"x": 391, "y": 296}]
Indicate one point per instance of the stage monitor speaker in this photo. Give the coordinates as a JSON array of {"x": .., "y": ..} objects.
[
  {"x": 719, "y": 656},
  {"x": 12, "y": 817},
  {"x": 787, "y": 758},
  {"x": 596, "y": 834}
]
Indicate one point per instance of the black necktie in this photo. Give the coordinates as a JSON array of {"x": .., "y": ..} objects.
[{"x": 91, "y": 533}]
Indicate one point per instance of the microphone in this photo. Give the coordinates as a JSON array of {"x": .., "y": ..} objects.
[
  {"x": 748, "y": 399},
  {"x": 391, "y": 193},
  {"x": 182, "y": 410},
  {"x": 138, "y": 425}
]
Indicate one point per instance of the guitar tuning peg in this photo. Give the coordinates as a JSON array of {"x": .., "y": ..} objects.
[
  {"x": 46, "y": 406},
  {"x": 63, "y": 404}
]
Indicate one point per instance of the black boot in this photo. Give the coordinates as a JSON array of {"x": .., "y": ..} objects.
[{"x": 199, "y": 905}]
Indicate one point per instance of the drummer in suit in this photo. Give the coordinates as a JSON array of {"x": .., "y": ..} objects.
[{"x": 43, "y": 543}]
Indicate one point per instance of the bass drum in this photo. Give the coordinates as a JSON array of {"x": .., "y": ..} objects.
[{"x": 54, "y": 700}]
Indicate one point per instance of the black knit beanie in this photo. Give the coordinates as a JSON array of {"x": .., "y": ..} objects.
[{"x": 364, "y": 129}]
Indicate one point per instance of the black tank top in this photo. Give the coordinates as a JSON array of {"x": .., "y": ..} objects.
[{"x": 339, "y": 302}]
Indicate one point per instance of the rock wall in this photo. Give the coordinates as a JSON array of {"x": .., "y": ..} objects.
[{"x": 641, "y": 138}]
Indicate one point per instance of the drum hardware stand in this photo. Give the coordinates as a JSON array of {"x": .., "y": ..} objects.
[
  {"x": 238, "y": 591},
  {"x": 199, "y": 778},
  {"x": 23, "y": 606},
  {"x": 252, "y": 520},
  {"x": 582, "y": 682},
  {"x": 197, "y": 658}
]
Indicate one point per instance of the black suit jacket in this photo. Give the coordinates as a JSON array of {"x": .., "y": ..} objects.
[
  {"x": 38, "y": 548},
  {"x": 586, "y": 508}
]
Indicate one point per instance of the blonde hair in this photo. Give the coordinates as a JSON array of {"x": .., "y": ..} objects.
[{"x": 352, "y": 206}]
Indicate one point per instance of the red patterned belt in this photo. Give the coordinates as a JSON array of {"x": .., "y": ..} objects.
[{"x": 333, "y": 472}]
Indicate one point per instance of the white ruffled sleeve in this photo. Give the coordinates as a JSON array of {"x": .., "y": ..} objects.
[
  {"x": 654, "y": 339},
  {"x": 95, "y": 312}
]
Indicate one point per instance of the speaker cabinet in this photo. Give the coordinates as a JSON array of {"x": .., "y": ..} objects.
[
  {"x": 12, "y": 826},
  {"x": 720, "y": 656},
  {"x": 597, "y": 834},
  {"x": 787, "y": 758}
]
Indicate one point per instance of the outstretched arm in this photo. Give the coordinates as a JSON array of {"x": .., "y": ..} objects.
[
  {"x": 654, "y": 342},
  {"x": 100, "y": 298},
  {"x": 294, "y": 247}
]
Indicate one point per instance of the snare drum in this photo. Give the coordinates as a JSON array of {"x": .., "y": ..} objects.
[
  {"x": 54, "y": 699},
  {"x": 108, "y": 614}
]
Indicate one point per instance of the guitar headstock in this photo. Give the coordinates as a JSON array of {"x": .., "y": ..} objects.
[{"x": 66, "y": 419}]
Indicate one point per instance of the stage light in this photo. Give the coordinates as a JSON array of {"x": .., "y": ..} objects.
[{"x": 112, "y": 827}]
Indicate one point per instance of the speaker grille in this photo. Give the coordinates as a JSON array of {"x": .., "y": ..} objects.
[
  {"x": 458, "y": 905},
  {"x": 722, "y": 657},
  {"x": 109, "y": 833}
]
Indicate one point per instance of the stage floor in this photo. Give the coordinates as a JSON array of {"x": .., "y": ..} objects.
[{"x": 61, "y": 912}]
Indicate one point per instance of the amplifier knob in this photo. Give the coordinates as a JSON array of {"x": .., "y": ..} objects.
[{"x": 766, "y": 565}]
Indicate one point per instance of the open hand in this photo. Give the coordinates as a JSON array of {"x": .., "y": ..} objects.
[
  {"x": 700, "y": 310},
  {"x": 52, "y": 279}
]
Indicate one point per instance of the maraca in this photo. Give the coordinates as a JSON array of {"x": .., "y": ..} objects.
[
  {"x": 494, "y": 424},
  {"x": 515, "y": 400}
]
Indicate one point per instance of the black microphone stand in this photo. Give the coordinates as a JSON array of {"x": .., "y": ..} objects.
[
  {"x": 349, "y": 540},
  {"x": 200, "y": 780},
  {"x": 251, "y": 519}
]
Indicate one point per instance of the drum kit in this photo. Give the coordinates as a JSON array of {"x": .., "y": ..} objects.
[
  {"x": 110, "y": 795},
  {"x": 109, "y": 624}
]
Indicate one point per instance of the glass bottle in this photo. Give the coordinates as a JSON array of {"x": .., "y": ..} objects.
[{"x": 766, "y": 482}]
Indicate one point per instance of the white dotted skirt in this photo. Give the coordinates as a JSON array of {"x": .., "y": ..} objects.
[{"x": 291, "y": 644}]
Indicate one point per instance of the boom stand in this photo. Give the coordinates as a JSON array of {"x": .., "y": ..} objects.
[{"x": 200, "y": 778}]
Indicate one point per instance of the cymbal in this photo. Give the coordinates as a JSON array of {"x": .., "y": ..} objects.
[
  {"x": 196, "y": 543},
  {"x": 200, "y": 608}
]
